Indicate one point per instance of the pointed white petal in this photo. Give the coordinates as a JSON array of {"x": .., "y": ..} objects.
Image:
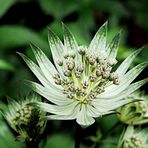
[
  {"x": 125, "y": 82},
  {"x": 130, "y": 89},
  {"x": 70, "y": 43},
  {"x": 59, "y": 110},
  {"x": 83, "y": 118},
  {"x": 121, "y": 70},
  {"x": 57, "y": 49},
  {"x": 102, "y": 106},
  {"x": 71, "y": 116},
  {"x": 42, "y": 58},
  {"x": 110, "y": 106},
  {"x": 129, "y": 132},
  {"x": 93, "y": 112},
  {"x": 69, "y": 40},
  {"x": 36, "y": 70},
  {"x": 49, "y": 93},
  {"x": 113, "y": 47},
  {"x": 46, "y": 66},
  {"x": 98, "y": 43}
]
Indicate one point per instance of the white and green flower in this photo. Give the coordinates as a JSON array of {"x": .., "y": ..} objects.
[
  {"x": 134, "y": 138},
  {"x": 24, "y": 118},
  {"x": 135, "y": 112},
  {"x": 82, "y": 84}
]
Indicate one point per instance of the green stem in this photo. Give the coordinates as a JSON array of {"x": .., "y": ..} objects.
[
  {"x": 106, "y": 133},
  {"x": 111, "y": 129},
  {"x": 78, "y": 135},
  {"x": 32, "y": 144}
]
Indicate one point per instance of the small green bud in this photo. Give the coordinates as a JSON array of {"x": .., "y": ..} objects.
[
  {"x": 67, "y": 73},
  {"x": 70, "y": 64},
  {"x": 60, "y": 62},
  {"x": 136, "y": 112},
  {"x": 82, "y": 50}
]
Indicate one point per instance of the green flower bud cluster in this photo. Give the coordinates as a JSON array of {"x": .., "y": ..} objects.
[
  {"x": 25, "y": 118},
  {"x": 141, "y": 107},
  {"x": 86, "y": 78},
  {"x": 133, "y": 142},
  {"x": 134, "y": 138},
  {"x": 136, "y": 112}
]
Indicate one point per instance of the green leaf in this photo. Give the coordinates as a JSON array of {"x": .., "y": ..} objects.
[
  {"x": 59, "y": 140},
  {"x": 81, "y": 35},
  {"x": 6, "y": 66},
  {"x": 58, "y": 9},
  {"x": 7, "y": 140},
  {"x": 12, "y": 36},
  {"x": 5, "y": 5}
]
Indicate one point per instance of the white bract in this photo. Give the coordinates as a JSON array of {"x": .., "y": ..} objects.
[{"x": 82, "y": 85}]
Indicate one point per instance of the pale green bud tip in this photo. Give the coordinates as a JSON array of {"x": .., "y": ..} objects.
[
  {"x": 134, "y": 113},
  {"x": 69, "y": 54},
  {"x": 82, "y": 50}
]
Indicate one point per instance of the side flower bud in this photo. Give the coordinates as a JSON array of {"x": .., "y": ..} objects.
[
  {"x": 25, "y": 119},
  {"x": 133, "y": 138},
  {"x": 135, "y": 113}
]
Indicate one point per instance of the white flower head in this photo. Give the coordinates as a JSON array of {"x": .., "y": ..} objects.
[
  {"x": 136, "y": 112},
  {"x": 134, "y": 138},
  {"x": 82, "y": 85}
]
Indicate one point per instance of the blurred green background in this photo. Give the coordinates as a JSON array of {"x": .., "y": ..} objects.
[{"x": 22, "y": 21}]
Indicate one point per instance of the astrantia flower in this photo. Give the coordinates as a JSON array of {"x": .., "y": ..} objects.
[
  {"x": 136, "y": 112},
  {"x": 25, "y": 119},
  {"x": 82, "y": 85},
  {"x": 134, "y": 138}
]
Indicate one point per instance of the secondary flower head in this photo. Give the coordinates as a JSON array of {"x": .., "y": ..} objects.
[
  {"x": 25, "y": 119},
  {"x": 136, "y": 112},
  {"x": 134, "y": 138},
  {"x": 83, "y": 85}
]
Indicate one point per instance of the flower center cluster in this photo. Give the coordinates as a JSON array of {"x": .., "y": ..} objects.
[
  {"x": 141, "y": 107},
  {"x": 86, "y": 74},
  {"x": 23, "y": 115},
  {"x": 133, "y": 142}
]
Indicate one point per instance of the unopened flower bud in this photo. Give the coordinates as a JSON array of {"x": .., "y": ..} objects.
[
  {"x": 67, "y": 73},
  {"x": 22, "y": 114},
  {"x": 70, "y": 65},
  {"x": 134, "y": 138},
  {"x": 136, "y": 112},
  {"x": 60, "y": 62},
  {"x": 82, "y": 50}
]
